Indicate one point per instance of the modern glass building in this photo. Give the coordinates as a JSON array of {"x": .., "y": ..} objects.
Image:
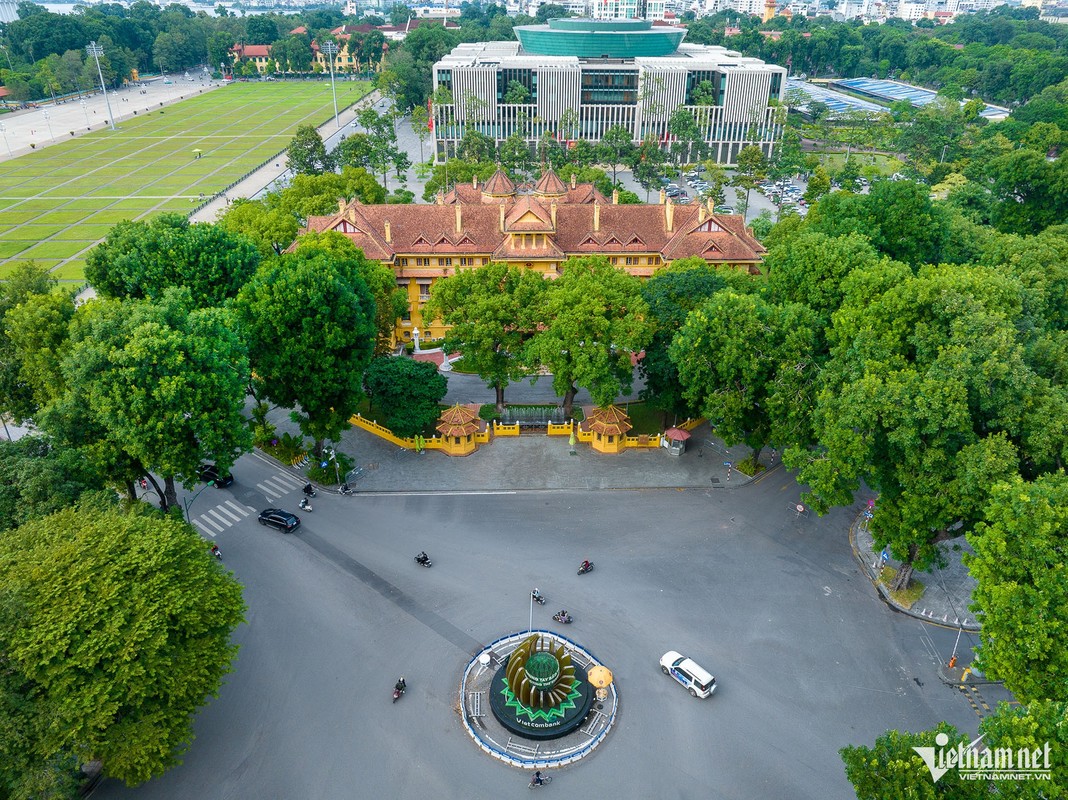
[{"x": 576, "y": 78}]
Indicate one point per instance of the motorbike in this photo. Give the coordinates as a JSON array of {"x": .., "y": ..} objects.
[
  {"x": 563, "y": 618},
  {"x": 583, "y": 570},
  {"x": 305, "y": 505},
  {"x": 423, "y": 560},
  {"x": 309, "y": 490},
  {"x": 345, "y": 490},
  {"x": 538, "y": 598},
  {"x": 215, "y": 551},
  {"x": 397, "y": 693}
]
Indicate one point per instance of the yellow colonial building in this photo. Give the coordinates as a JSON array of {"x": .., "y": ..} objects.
[{"x": 537, "y": 227}]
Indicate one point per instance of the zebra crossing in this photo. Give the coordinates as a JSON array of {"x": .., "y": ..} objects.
[
  {"x": 214, "y": 521},
  {"x": 278, "y": 485}
]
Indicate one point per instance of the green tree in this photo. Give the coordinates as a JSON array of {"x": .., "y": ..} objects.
[
  {"x": 616, "y": 147},
  {"x": 141, "y": 260},
  {"x": 476, "y": 147},
  {"x": 671, "y": 295},
  {"x": 516, "y": 158},
  {"x": 927, "y": 398},
  {"x": 490, "y": 311},
  {"x": 892, "y": 768},
  {"x": 16, "y": 394},
  {"x": 116, "y": 679},
  {"x": 749, "y": 367},
  {"x": 1022, "y": 596},
  {"x": 317, "y": 195},
  {"x": 592, "y": 319},
  {"x": 811, "y": 267},
  {"x": 307, "y": 153},
  {"x": 420, "y": 122},
  {"x": 717, "y": 178},
  {"x": 408, "y": 392},
  {"x": 166, "y": 379},
  {"x": 39, "y": 477},
  {"x": 819, "y": 184},
  {"x": 37, "y": 330},
  {"x": 390, "y": 301},
  {"x": 309, "y": 320},
  {"x": 752, "y": 169},
  {"x": 381, "y": 151},
  {"x": 272, "y": 229},
  {"x": 219, "y": 49}
]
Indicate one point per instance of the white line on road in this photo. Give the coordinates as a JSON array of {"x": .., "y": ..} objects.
[
  {"x": 242, "y": 510},
  {"x": 210, "y": 521},
  {"x": 271, "y": 493},
  {"x": 201, "y": 525},
  {"x": 431, "y": 494},
  {"x": 214, "y": 513},
  {"x": 223, "y": 510}
]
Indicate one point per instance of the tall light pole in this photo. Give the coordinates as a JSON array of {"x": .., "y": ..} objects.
[
  {"x": 3, "y": 131},
  {"x": 85, "y": 110},
  {"x": 48, "y": 122},
  {"x": 6, "y": 53},
  {"x": 330, "y": 48},
  {"x": 96, "y": 51}
]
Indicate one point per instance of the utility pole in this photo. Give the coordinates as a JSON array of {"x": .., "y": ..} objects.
[{"x": 330, "y": 48}]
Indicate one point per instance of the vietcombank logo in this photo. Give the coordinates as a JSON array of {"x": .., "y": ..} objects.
[{"x": 990, "y": 764}]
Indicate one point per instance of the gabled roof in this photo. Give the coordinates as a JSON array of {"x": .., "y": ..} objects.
[
  {"x": 251, "y": 50},
  {"x": 609, "y": 421},
  {"x": 528, "y": 215}
]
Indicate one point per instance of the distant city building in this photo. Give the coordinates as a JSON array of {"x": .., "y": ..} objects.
[{"x": 580, "y": 77}]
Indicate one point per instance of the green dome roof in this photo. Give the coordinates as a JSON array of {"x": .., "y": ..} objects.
[{"x": 609, "y": 38}]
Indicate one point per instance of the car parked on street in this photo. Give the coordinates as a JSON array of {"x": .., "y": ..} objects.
[
  {"x": 279, "y": 519},
  {"x": 689, "y": 673},
  {"x": 210, "y": 473}
]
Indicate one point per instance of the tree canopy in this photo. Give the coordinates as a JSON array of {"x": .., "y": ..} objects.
[
  {"x": 115, "y": 629},
  {"x": 407, "y": 392}
]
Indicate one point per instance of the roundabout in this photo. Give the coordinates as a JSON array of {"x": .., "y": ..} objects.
[{"x": 528, "y": 700}]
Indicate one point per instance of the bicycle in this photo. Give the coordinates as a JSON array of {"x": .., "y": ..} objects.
[{"x": 545, "y": 781}]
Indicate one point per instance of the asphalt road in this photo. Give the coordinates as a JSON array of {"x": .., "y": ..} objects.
[{"x": 807, "y": 659}]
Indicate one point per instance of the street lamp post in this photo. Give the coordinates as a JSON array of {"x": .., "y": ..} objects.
[
  {"x": 330, "y": 48},
  {"x": 48, "y": 122},
  {"x": 85, "y": 110},
  {"x": 3, "y": 131},
  {"x": 96, "y": 51},
  {"x": 6, "y": 53},
  {"x": 188, "y": 501}
]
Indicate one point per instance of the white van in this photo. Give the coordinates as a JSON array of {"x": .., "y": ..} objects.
[{"x": 689, "y": 673}]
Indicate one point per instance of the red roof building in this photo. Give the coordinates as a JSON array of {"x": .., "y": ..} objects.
[{"x": 538, "y": 229}]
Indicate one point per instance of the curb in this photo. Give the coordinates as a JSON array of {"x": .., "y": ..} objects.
[
  {"x": 884, "y": 594},
  {"x": 956, "y": 677}
]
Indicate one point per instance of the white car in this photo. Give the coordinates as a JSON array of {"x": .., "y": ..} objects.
[{"x": 689, "y": 673}]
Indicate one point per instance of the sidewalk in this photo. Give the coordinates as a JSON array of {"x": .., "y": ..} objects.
[
  {"x": 534, "y": 462},
  {"x": 948, "y": 590}
]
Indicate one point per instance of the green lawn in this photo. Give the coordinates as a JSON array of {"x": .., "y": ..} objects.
[{"x": 56, "y": 201}]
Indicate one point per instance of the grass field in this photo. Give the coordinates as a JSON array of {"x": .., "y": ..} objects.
[{"x": 56, "y": 204}]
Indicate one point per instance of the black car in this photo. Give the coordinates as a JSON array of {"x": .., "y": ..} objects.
[
  {"x": 210, "y": 472},
  {"x": 277, "y": 518}
]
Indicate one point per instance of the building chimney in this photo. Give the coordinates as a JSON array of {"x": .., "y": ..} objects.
[
  {"x": 501, "y": 207},
  {"x": 574, "y": 180},
  {"x": 663, "y": 197},
  {"x": 459, "y": 223},
  {"x": 702, "y": 212},
  {"x": 552, "y": 213},
  {"x": 615, "y": 197},
  {"x": 669, "y": 215},
  {"x": 440, "y": 198},
  {"x": 341, "y": 205},
  {"x": 711, "y": 206},
  {"x": 389, "y": 233},
  {"x": 474, "y": 181},
  {"x": 596, "y": 217}
]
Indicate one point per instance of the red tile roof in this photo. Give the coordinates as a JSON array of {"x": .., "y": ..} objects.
[
  {"x": 580, "y": 228},
  {"x": 251, "y": 50}
]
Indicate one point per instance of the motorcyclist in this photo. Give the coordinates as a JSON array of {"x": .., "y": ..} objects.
[
  {"x": 304, "y": 504},
  {"x": 400, "y": 685},
  {"x": 215, "y": 549},
  {"x": 537, "y": 778},
  {"x": 585, "y": 566},
  {"x": 535, "y": 593},
  {"x": 309, "y": 490},
  {"x": 422, "y": 558},
  {"x": 562, "y": 615}
]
